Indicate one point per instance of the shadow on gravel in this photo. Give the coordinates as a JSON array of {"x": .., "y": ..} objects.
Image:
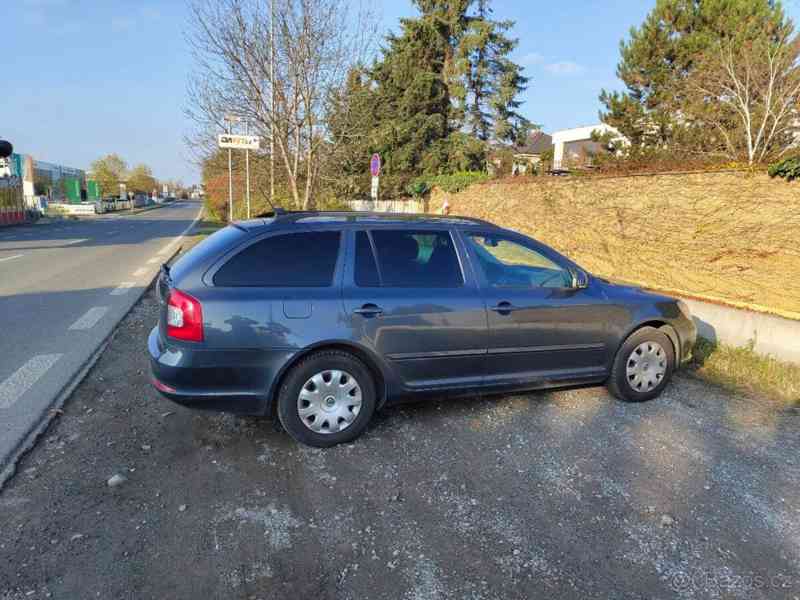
[{"x": 557, "y": 494}]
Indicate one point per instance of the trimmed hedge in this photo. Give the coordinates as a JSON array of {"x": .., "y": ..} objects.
[{"x": 455, "y": 182}]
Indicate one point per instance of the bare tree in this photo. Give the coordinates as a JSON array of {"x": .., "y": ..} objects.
[
  {"x": 749, "y": 93},
  {"x": 276, "y": 69}
]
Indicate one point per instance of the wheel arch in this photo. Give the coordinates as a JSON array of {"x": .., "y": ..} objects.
[
  {"x": 363, "y": 354},
  {"x": 661, "y": 326}
]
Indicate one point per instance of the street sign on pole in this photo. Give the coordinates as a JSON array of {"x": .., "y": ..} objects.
[
  {"x": 375, "y": 165},
  {"x": 240, "y": 142},
  {"x": 247, "y": 169},
  {"x": 375, "y": 169}
]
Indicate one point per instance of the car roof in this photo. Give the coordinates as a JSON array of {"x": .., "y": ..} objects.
[{"x": 287, "y": 218}]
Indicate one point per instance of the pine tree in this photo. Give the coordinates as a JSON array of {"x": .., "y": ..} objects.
[
  {"x": 661, "y": 53},
  {"x": 442, "y": 87},
  {"x": 492, "y": 81},
  {"x": 446, "y": 75}
]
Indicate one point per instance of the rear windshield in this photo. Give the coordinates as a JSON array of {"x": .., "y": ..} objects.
[{"x": 210, "y": 248}]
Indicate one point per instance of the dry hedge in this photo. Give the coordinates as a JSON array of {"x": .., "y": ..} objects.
[{"x": 732, "y": 235}]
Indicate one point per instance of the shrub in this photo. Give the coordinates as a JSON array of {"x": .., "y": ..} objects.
[
  {"x": 417, "y": 189},
  {"x": 455, "y": 182},
  {"x": 788, "y": 168}
]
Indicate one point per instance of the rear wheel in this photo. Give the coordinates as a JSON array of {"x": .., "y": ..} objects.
[
  {"x": 643, "y": 366},
  {"x": 326, "y": 399}
]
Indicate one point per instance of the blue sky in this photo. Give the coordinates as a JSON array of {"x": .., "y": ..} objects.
[{"x": 82, "y": 78}]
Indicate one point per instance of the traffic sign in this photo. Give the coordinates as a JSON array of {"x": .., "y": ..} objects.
[
  {"x": 375, "y": 165},
  {"x": 241, "y": 142}
]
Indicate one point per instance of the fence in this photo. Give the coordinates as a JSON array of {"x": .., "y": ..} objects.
[
  {"x": 12, "y": 203},
  {"x": 406, "y": 205}
]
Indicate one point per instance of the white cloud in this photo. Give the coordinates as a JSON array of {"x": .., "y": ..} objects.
[
  {"x": 564, "y": 67},
  {"x": 150, "y": 13},
  {"x": 122, "y": 23},
  {"x": 532, "y": 58},
  {"x": 44, "y": 3}
]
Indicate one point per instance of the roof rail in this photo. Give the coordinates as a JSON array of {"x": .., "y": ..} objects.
[{"x": 275, "y": 212}]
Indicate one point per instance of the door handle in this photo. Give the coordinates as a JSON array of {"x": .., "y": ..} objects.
[
  {"x": 504, "y": 308},
  {"x": 369, "y": 310}
]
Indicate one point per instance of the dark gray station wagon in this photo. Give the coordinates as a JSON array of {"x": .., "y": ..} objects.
[{"x": 322, "y": 318}]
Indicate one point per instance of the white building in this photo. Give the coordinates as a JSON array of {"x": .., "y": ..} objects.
[{"x": 574, "y": 147}]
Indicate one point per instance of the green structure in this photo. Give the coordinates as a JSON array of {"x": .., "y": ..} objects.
[
  {"x": 72, "y": 190},
  {"x": 92, "y": 191}
]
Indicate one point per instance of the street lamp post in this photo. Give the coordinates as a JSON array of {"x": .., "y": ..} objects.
[
  {"x": 230, "y": 119},
  {"x": 247, "y": 168}
]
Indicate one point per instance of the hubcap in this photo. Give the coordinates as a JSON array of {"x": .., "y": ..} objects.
[
  {"x": 646, "y": 367},
  {"x": 329, "y": 401}
]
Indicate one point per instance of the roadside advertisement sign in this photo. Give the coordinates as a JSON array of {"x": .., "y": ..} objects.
[{"x": 240, "y": 142}]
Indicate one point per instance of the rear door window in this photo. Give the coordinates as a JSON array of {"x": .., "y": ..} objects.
[
  {"x": 423, "y": 259},
  {"x": 303, "y": 259}
]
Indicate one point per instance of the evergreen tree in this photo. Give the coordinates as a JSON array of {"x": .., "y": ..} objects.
[
  {"x": 442, "y": 87},
  {"x": 663, "y": 51},
  {"x": 492, "y": 82}
]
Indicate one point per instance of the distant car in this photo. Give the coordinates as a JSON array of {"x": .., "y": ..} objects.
[{"x": 322, "y": 318}]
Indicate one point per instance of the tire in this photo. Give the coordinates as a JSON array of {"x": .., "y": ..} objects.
[
  {"x": 321, "y": 388},
  {"x": 643, "y": 366}
]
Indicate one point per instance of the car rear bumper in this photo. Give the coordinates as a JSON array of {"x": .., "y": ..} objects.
[{"x": 231, "y": 381}]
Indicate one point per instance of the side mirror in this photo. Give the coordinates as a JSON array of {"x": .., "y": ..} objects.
[{"x": 580, "y": 279}]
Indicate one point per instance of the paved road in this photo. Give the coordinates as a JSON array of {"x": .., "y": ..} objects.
[
  {"x": 63, "y": 288},
  {"x": 567, "y": 494}
]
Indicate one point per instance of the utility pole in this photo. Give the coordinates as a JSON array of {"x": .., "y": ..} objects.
[
  {"x": 272, "y": 102},
  {"x": 230, "y": 119},
  {"x": 247, "y": 168}
]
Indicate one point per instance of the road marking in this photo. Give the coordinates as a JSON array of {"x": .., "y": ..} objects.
[
  {"x": 167, "y": 249},
  {"x": 23, "y": 378},
  {"x": 112, "y": 233},
  {"x": 71, "y": 242},
  {"x": 139, "y": 272},
  {"x": 154, "y": 260},
  {"x": 12, "y": 257},
  {"x": 123, "y": 288},
  {"x": 90, "y": 319}
]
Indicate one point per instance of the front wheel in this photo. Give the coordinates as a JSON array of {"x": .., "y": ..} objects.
[
  {"x": 643, "y": 366},
  {"x": 327, "y": 399}
]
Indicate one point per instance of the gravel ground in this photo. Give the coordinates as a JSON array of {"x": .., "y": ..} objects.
[{"x": 567, "y": 494}]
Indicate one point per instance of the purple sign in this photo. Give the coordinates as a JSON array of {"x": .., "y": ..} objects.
[{"x": 375, "y": 165}]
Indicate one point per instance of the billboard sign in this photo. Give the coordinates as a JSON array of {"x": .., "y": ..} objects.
[{"x": 239, "y": 142}]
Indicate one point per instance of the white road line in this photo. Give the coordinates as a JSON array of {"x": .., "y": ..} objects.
[
  {"x": 12, "y": 257},
  {"x": 139, "y": 272},
  {"x": 71, "y": 242},
  {"x": 123, "y": 288},
  {"x": 167, "y": 249},
  {"x": 23, "y": 379},
  {"x": 174, "y": 243},
  {"x": 90, "y": 319}
]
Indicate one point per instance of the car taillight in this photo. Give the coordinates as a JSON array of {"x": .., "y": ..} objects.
[{"x": 184, "y": 317}]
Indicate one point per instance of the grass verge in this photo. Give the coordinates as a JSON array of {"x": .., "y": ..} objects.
[{"x": 743, "y": 370}]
